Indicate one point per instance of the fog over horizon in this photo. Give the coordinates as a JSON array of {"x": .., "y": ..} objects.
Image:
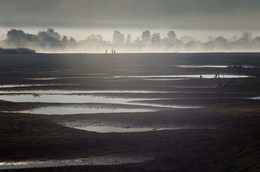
[
  {"x": 90, "y": 25},
  {"x": 51, "y": 41}
]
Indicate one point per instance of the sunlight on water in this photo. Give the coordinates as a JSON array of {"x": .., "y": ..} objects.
[
  {"x": 111, "y": 129},
  {"x": 69, "y": 99},
  {"x": 201, "y": 66},
  {"x": 83, "y": 92},
  {"x": 88, "y": 99},
  {"x": 42, "y": 79},
  {"x": 27, "y": 85},
  {"x": 104, "y": 160},
  {"x": 216, "y": 66},
  {"x": 254, "y": 98},
  {"x": 173, "y": 77},
  {"x": 82, "y": 110},
  {"x": 165, "y": 106}
]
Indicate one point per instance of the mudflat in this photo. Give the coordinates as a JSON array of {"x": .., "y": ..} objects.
[{"x": 169, "y": 112}]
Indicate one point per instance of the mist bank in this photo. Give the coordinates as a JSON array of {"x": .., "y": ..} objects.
[{"x": 50, "y": 41}]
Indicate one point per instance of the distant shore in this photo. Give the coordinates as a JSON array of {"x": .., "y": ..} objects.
[{"x": 17, "y": 51}]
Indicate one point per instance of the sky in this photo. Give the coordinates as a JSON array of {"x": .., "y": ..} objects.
[{"x": 81, "y": 17}]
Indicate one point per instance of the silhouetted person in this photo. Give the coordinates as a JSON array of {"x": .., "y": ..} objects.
[
  {"x": 217, "y": 74},
  {"x": 114, "y": 51},
  {"x": 106, "y": 51}
]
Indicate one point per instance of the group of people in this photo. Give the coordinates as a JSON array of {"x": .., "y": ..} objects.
[{"x": 112, "y": 51}]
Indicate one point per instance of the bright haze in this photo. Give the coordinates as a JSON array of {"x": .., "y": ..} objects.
[{"x": 97, "y": 25}]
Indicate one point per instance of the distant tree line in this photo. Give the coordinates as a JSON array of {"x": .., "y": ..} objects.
[
  {"x": 147, "y": 41},
  {"x": 48, "y": 39},
  {"x": 17, "y": 51}
]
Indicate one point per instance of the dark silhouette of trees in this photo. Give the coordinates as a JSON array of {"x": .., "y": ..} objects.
[
  {"x": 171, "y": 37},
  {"x": 17, "y": 51},
  {"x": 146, "y": 37},
  {"x": 156, "y": 39},
  {"x": 118, "y": 37}
]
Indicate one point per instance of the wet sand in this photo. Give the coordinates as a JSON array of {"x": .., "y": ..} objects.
[{"x": 222, "y": 135}]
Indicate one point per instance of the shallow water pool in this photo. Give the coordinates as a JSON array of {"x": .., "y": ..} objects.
[
  {"x": 102, "y": 160},
  {"x": 113, "y": 129},
  {"x": 66, "y": 110},
  {"x": 88, "y": 99},
  {"x": 173, "y": 77}
]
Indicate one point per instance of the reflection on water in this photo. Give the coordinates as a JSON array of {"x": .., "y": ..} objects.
[
  {"x": 215, "y": 66},
  {"x": 42, "y": 79},
  {"x": 68, "y": 99},
  {"x": 207, "y": 76},
  {"x": 104, "y": 160},
  {"x": 111, "y": 129},
  {"x": 254, "y": 98},
  {"x": 201, "y": 66},
  {"x": 26, "y": 85},
  {"x": 168, "y": 79},
  {"x": 188, "y": 86},
  {"x": 73, "y": 77},
  {"x": 165, "y": 106},
  {"x": 89, "y": 99},
  {"x": 83, "y": 110},
  {"x": 83, "y": 92}
]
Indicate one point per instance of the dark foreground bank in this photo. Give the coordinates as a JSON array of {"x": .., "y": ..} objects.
[{"x": 222, "y": 136}]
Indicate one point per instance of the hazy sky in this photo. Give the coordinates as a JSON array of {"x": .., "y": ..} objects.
[{"x": 132, "y": 14}]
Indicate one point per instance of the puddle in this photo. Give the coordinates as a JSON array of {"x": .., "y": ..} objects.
[
  {"x": 215, "y": 66},
  {"x": 111, "y": 129},
  {"x": 84, "y": 77},
  {"x": 164, "y": 106},
  {"x": 254, "y": 98},
  {"x": 42, "y": 79},
  {"x": 190, "y": 87},
  {"x": 173, "y": 77},
  {"x": 83, "y": 110},
  {"x": 82, "y": 91},
  {"x": 66, "y": 77},
  {"x": 88, "y": 99},
  {"x": 68, "y": 99},
  {"x": 201, "y": 66},
  {"x": 26, "y": 85},
  {"x": 104, "y": 160}
]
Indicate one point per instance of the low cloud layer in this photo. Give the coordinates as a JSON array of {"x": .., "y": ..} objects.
[{"x": 52, "y": 41}]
